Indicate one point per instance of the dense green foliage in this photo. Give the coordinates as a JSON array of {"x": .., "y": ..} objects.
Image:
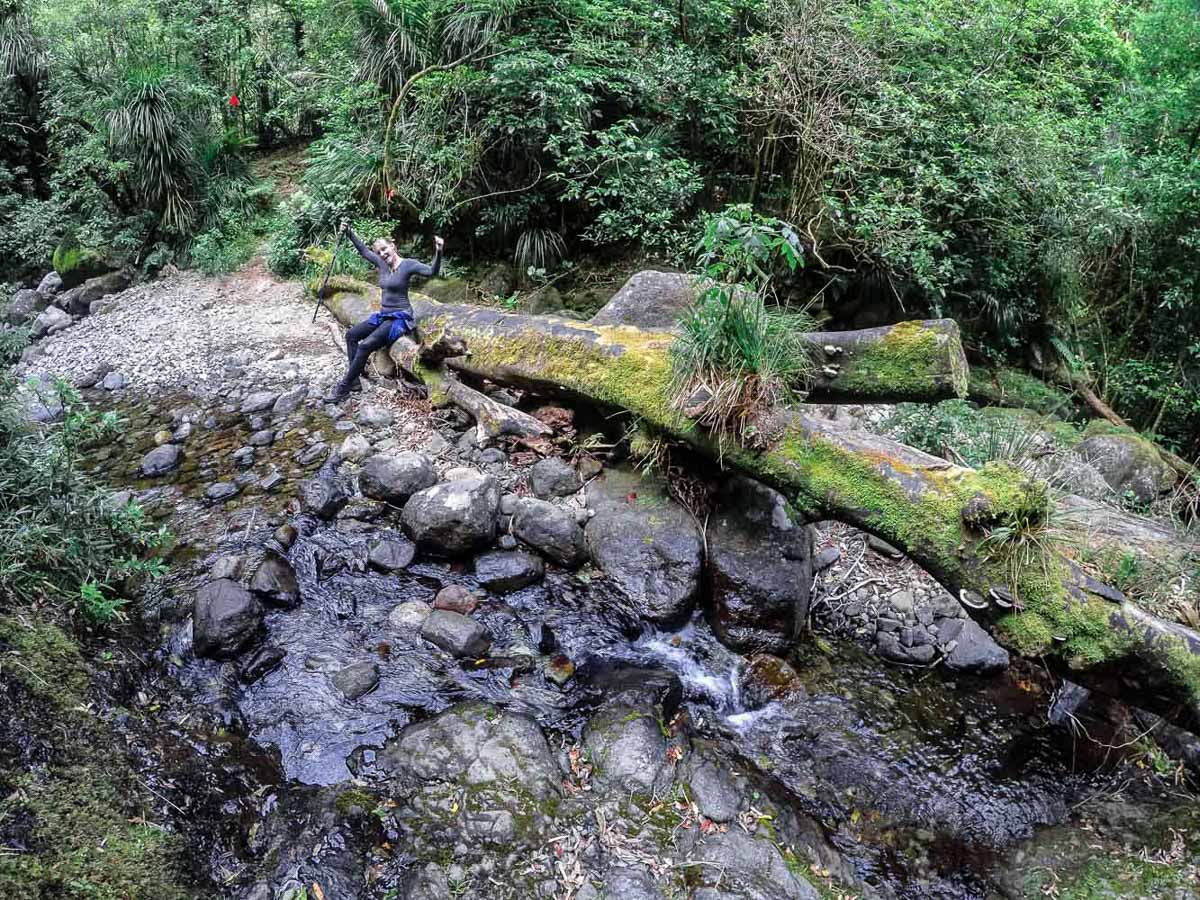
[
  {"x": 1030, "y": 167},
  {"x": 63, "y": 539}
]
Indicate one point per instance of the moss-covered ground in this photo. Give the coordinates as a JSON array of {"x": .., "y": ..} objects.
[{"x": 75, "y": 819}]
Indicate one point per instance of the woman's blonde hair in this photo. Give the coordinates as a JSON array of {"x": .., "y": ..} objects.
[{"x": 379, "y": 243}]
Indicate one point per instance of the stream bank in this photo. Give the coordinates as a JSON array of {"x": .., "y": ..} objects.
[{"x": 603, "y": 742}]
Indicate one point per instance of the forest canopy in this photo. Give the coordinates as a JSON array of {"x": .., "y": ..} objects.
[{"x": 1028, "y": 167}]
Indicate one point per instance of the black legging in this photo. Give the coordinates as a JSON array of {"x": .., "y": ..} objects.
[{"x": 361, "y": 341}]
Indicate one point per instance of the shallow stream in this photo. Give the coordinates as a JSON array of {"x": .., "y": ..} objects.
[{"x": 924, "y": 783}]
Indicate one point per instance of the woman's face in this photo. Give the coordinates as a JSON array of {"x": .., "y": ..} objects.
[{"x": 387, "y": 251}]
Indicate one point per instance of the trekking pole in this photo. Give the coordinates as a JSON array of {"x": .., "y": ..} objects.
[{"x": 328, "y": 272}]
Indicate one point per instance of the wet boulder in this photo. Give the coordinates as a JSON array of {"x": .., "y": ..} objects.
[
  {"x": 549, "y": 530},
  {"x": 50, "y": 284},
  {"x": 426, "y": 882},
  {"x": 275, "y": 583},
  {"x": 629, "y": 751},
  {"x": 759, "y": 568},
  {"x": 78, "y": 300},
  {"x": 553, "y": 477},
  {"x": 409, "y": 616},
  {"x": 630, "y": 883},
  {"x": 1128, "y": 463},
  {"x": 504, "y": 571},
  {"x": 647, "y": 545},
  {"x": 289, "y": 401},
  {"x": 355, "y": 448},
  {"x": 50, "y": 321},
  {"x": 324, "y": 496},
  {"x": 475, "y": 745},
  {"x": 770, "y": 679},
  {"x": 393, "y": 478},
  {"x": 736, "y": 864},
  {"x": 161, "y": 460},
  {"x": 259, "y": 401},
  {"x": 372, "y": 416},
  {"x": 226, "y": 619},
  {"x": 391, "y": 553},
  {"x": 454, "y": 518},
  {"x": 711, "y": 788},
  {"x": 24, "y": 305},
  {"x": 973, "y": 650},
  {"x": 456, "y": 634},
  {"x": 649, "y": 299},
  {"x": 630, "y": 686},
  {"x": 357, "y": 679},
  {"x": 457, "y": 598}
]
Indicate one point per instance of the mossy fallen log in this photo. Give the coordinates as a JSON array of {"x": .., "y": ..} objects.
[
  {"x": 913, "y": 361},
  {"x": 986, "y": 531}
]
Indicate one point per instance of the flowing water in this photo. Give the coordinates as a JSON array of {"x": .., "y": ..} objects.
[{"x": 922, "y": 782}]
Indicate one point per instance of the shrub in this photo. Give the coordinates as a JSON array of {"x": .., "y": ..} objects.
[
  {"x": 62, "y": 537},
  {"x": 736, "y": 357}
]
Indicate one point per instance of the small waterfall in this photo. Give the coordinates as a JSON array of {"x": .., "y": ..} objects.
[{"x": 707, "y": 670}]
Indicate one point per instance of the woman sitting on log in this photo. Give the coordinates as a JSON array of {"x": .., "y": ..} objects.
[{"x": 395, "y": 317}]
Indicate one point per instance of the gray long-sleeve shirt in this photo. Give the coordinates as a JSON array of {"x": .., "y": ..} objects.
[{"x": 394, "y": 282}]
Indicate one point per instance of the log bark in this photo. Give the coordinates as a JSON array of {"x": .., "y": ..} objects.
[
  {"x": 911, "y": 361},
  {"x": 941, "y": 515}
]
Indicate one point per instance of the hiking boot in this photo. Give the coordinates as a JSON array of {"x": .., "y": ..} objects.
[{"x": 340, "y": 392}]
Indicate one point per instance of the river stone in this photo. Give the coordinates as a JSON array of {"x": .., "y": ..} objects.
[
  {"x": 356, "y": 679},
  {"x": 549, "y": 530},
  {"x": 975, "y": 651},
  {"x": 310, "y": 455},
  {"x": 456, "y": 634},
  {"x": 263, "y": 661},
  {"x": 324, "y": 496},
  {"x": 394, "y": 478},
  {"x": 751, "y": 862},
  {"x": 50, "y": 284},
  {"x": 647, "y": 545},
  {"x": 49, "y": 321},
  {"x": 113, "y": 381},
  {"x": 1128, "y": 462},
  {"x": 259, "y": 400},
  {"x": 289, "y": 401},
  {"x": 161, "y": 460},
  {"x": 630, "y": 686},
  {"x": 629, "y": 751},
  {"x": 78, "y": 300},
  {"x": 409, "y": 616},
  {"x": 477, "y": 745},
  {"x": 1069, "y": 473},
  {"x": 275, "y": 582},
  {"x": 25, "y": 305},
  {"x": 454, "y": 518},
  {"x": 93, "y": 376},
  {"x": 263, "y": 438},
  {"x": 225, "y": 619},
  {"x": 553, "y": 477},
  {"x": 504, "y": 571},
  {"x": 272, "y": 482},
  {"x": 243, "y": 456},
  {"x": 355, "y": 447},
  {"x": 711, "y": 789},
  {"x": 40, "y": 401},
  {"x": 649, "y": 299},
  {"x": 228, "y": 566},
  {"x": 456, "y": 598},
  {"x": 759, "y": 568},
  {"x": 630, "y": 883},
  {"x": 391, "y": 553},
  {"x": 770, "y": 679},
  {"x": 221, "y": 491},
  {"x": 426, "y": 882},
  {"x": 372, "y": 416}
]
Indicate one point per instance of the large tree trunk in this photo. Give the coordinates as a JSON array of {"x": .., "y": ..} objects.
[{"x": 939, "y": 514}]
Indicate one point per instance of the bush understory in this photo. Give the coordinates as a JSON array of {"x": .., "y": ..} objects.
[{"x": 1028, "y": 168}]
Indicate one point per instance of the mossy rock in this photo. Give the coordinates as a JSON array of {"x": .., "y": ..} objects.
[
  {"x": 1010, "y": 387},
  {"x": 1130, "y": 464}
]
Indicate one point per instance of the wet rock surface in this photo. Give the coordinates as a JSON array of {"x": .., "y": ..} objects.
[
  {"x": 603, "y": 743},
  {"x": 645, "y": 543}
]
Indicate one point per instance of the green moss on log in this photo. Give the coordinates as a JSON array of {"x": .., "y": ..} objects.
[{"x": 902, "y": 361}]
